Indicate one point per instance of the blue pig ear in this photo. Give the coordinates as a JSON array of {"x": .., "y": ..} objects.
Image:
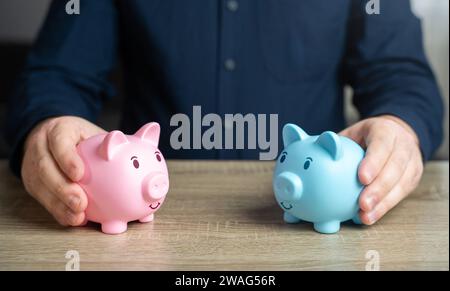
[
  {"x": 292, "y": 133},
  {"x": 331, "y": 143}
]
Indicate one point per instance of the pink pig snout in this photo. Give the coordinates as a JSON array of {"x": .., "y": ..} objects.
[{"x": 155, "y": 187}]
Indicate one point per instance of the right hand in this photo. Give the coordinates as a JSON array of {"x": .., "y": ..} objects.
[{"x": 51, "y": 166}]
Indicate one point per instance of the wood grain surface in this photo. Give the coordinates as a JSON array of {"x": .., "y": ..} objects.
[{"x": 221, "y": 215}]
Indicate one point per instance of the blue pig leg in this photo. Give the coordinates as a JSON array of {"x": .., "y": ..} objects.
[
  {"x": 289, "y": 218},
  {"x": 327, "y": 227}
]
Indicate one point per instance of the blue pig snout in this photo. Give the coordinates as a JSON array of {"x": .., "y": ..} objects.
[{"x": 288, "y": 186}]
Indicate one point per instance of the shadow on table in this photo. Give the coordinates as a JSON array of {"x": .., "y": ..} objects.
[{"x": 272, "y": 214}]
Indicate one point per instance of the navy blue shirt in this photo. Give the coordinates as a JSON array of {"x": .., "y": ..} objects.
[{"x": 287, "y": 57}]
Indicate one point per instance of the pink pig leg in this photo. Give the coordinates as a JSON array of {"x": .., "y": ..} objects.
[
  {"x": 147, "y": 218},
  {"x": 114, "y": 227}
]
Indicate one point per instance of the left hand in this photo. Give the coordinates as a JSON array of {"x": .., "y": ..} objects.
[{"x": 392, "y": 166}]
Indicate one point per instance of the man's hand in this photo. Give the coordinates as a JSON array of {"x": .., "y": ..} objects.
[
  {"x": 392, "y": 167},
  {"x": 51, "y": 166}
]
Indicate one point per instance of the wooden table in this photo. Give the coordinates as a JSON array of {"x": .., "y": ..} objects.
[{"x": 222, "y": 216}]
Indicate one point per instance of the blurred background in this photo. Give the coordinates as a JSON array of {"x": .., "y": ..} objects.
[{"x": 20, "y": 21}]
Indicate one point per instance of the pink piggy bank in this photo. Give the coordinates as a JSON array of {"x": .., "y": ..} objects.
[{"x": 125, "y": 177}]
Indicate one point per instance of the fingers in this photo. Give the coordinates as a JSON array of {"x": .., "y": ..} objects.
[
  {"x": 377, "y": 137},
  {"x": 392, "y": 165},
  {"x": 389, "y": 201},
  {"x": 55, "y": 183},
  {"x": 62, "y": 213},
  {"x": 394, "y": 197},
  {"x": 62, "y": 142},
  {"x": 353, "y": 132},
  {"x": 380, "y": 143},
  {"x": 51, "y": 166},
  {"x": 408, "y": 182},
  {"x": 57, "y": 208},
  {"x": 387, "y": 178},
  {"x": 71, "y": 194},
  {"x": 42, "y": 178}
]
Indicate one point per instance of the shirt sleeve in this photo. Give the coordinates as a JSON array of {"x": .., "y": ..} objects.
[
  {"x": 66, "y": 72},
  {"x": 387, "y": 68}
]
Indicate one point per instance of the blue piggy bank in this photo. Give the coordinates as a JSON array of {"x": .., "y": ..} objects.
[{"x": 316, "y": 179}]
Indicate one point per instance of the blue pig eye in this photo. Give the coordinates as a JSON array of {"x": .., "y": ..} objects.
[
  {"x": 283, "y": 157},
  {"x": 307, "y": 163}
]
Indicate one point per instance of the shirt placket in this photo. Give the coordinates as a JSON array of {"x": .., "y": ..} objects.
[{"x": 228, "y": 67}]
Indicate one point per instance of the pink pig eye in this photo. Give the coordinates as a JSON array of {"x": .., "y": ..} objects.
[
  {"x": 135, "y": 162},
  {"x": 158, "y": 156}
]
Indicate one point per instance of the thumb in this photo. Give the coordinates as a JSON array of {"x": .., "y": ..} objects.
[
  {"x": 355, "y": 133},
  {"x": 62, "y": 140}
]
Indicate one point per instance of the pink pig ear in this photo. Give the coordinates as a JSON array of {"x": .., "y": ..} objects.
[
  {"x": 111, "y": 144},
  {"x": 149, "y": 132}
]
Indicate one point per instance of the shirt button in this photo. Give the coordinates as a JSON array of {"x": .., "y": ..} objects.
[
  {"x": 232, "y": 5},
  {"x": 230, "y": 65}
]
